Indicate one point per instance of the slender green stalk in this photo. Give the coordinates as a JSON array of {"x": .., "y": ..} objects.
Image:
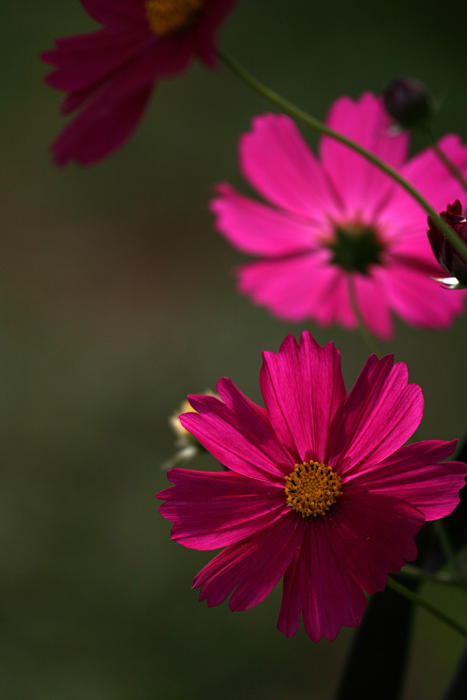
[
  {"x": 415, "y": 598},
  {"x": 305, "y": 118},
  {"x": 442, "y": 577},
  {"x": 446, "y": 546},
  {"x": 369, "y": 339},
  {"x": 447, "y": 162}
]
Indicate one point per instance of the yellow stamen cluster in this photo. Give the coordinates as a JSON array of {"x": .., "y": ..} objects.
[
  {"x": 312, "y": 488},
  {"x": 169, "y": 16}
]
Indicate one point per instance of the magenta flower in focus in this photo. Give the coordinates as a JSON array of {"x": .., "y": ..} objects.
[
  {"x": 109, "y": 74},
  {"x": 336, "y": 227},
  {"x": 321, "y": 491}
]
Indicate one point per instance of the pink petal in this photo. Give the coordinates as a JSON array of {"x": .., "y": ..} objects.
[
  {"x": 413, "y": 474},
  {"x": 379, "y": 414},
  {"x": 256, "y": 228},
  {"x": 302, "y": 387},
  {"x": 204, "y": 32},
  {"x": 410, "y": 251},
  {"x": 240, "y": 404},
  {"x": 253, "y": 566},
  {"x": 362, "y": 187},
  {"x": 372, "y": 536},
  {"x": 334, "y": 305},
  {"x": 300, "y": 287},
  {"x": 317, "y": 584},
  {"x": 111, "y": 116},
  {"x": 115, "y": 11},
  {"x": 102, "y": 127},
  {"x": 278, "y": 163},
  {"x": 291, "y": 606},
  {"x": 426, "y": 172},
  {"x": 85, "y": 61},
  {"x": 418, "y": 299},
  {"x": 211, "y": 509},
  {"x": 240, "y": 440},
  {"x": 372, "y": 302}
]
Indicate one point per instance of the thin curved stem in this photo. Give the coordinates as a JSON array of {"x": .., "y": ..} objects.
[
  {"x": 415, "y": 598},
  {"x": 447, "y": 162},
  {"x": 446, "y": 546},
  {"x": 442, "y": 577},
  {"x": 305, "y": 118}
]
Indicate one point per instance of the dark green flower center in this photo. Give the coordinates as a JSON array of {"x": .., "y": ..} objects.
[{"x": 355, "y": 248}]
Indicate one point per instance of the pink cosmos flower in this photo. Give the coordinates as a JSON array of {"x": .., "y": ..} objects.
[
  {"x": 321, "y": 490},
  {"x": 337, "y": 231},
  {"x": 110, "y": 73}
]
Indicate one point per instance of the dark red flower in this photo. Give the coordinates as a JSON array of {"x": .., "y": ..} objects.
[
  {"x": 447, "y": 256},
  {"x": 110, "y": 73}
]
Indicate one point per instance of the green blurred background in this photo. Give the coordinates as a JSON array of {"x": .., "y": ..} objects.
[{"x": 116, "y": 300}]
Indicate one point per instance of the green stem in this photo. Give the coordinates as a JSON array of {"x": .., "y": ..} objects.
[
  {"x": 442, "y": 577},
  {"x": 305, "y": 118},
  {"x": 415, "y": 598},
  {"x": 447, "y": 162},
  {"x": 446, "y": 546},
  {"x": 362, "y": 327}
]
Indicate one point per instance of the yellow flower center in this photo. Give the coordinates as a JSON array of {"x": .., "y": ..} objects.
[
  {"x": 169, "y": 16},
  {"x": 312, "y": 488}
]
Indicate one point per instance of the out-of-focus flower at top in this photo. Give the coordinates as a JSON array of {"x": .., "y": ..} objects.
[
  {"x": 321, "y": 490},
  {"x": 409, "y": 102},
  {"x": 338, "y": 232},
  {"x": 446, "y": 255},
  {"x": 109, "y": 74}
]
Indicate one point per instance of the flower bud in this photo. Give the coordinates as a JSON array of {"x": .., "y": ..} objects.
[
  {"x": 408, "y": 101},
  {"x": 446, "y": 255},
  {"x": 188, "y": 446}
]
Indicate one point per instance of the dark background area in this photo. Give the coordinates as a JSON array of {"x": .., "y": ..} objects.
[{"x": 116, "y": 300}]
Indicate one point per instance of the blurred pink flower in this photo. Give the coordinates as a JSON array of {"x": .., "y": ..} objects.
[
  {"x": 320, "y": 492},
  {"x": 336, "y": 226},
  {"x": 110, "y": 73}
]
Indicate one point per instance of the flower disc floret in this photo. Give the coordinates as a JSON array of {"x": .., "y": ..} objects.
[
  {"x": 169, "y": 16},
  {"x": 312, "y": 488},
  {"x": 356, "y": 248}
]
